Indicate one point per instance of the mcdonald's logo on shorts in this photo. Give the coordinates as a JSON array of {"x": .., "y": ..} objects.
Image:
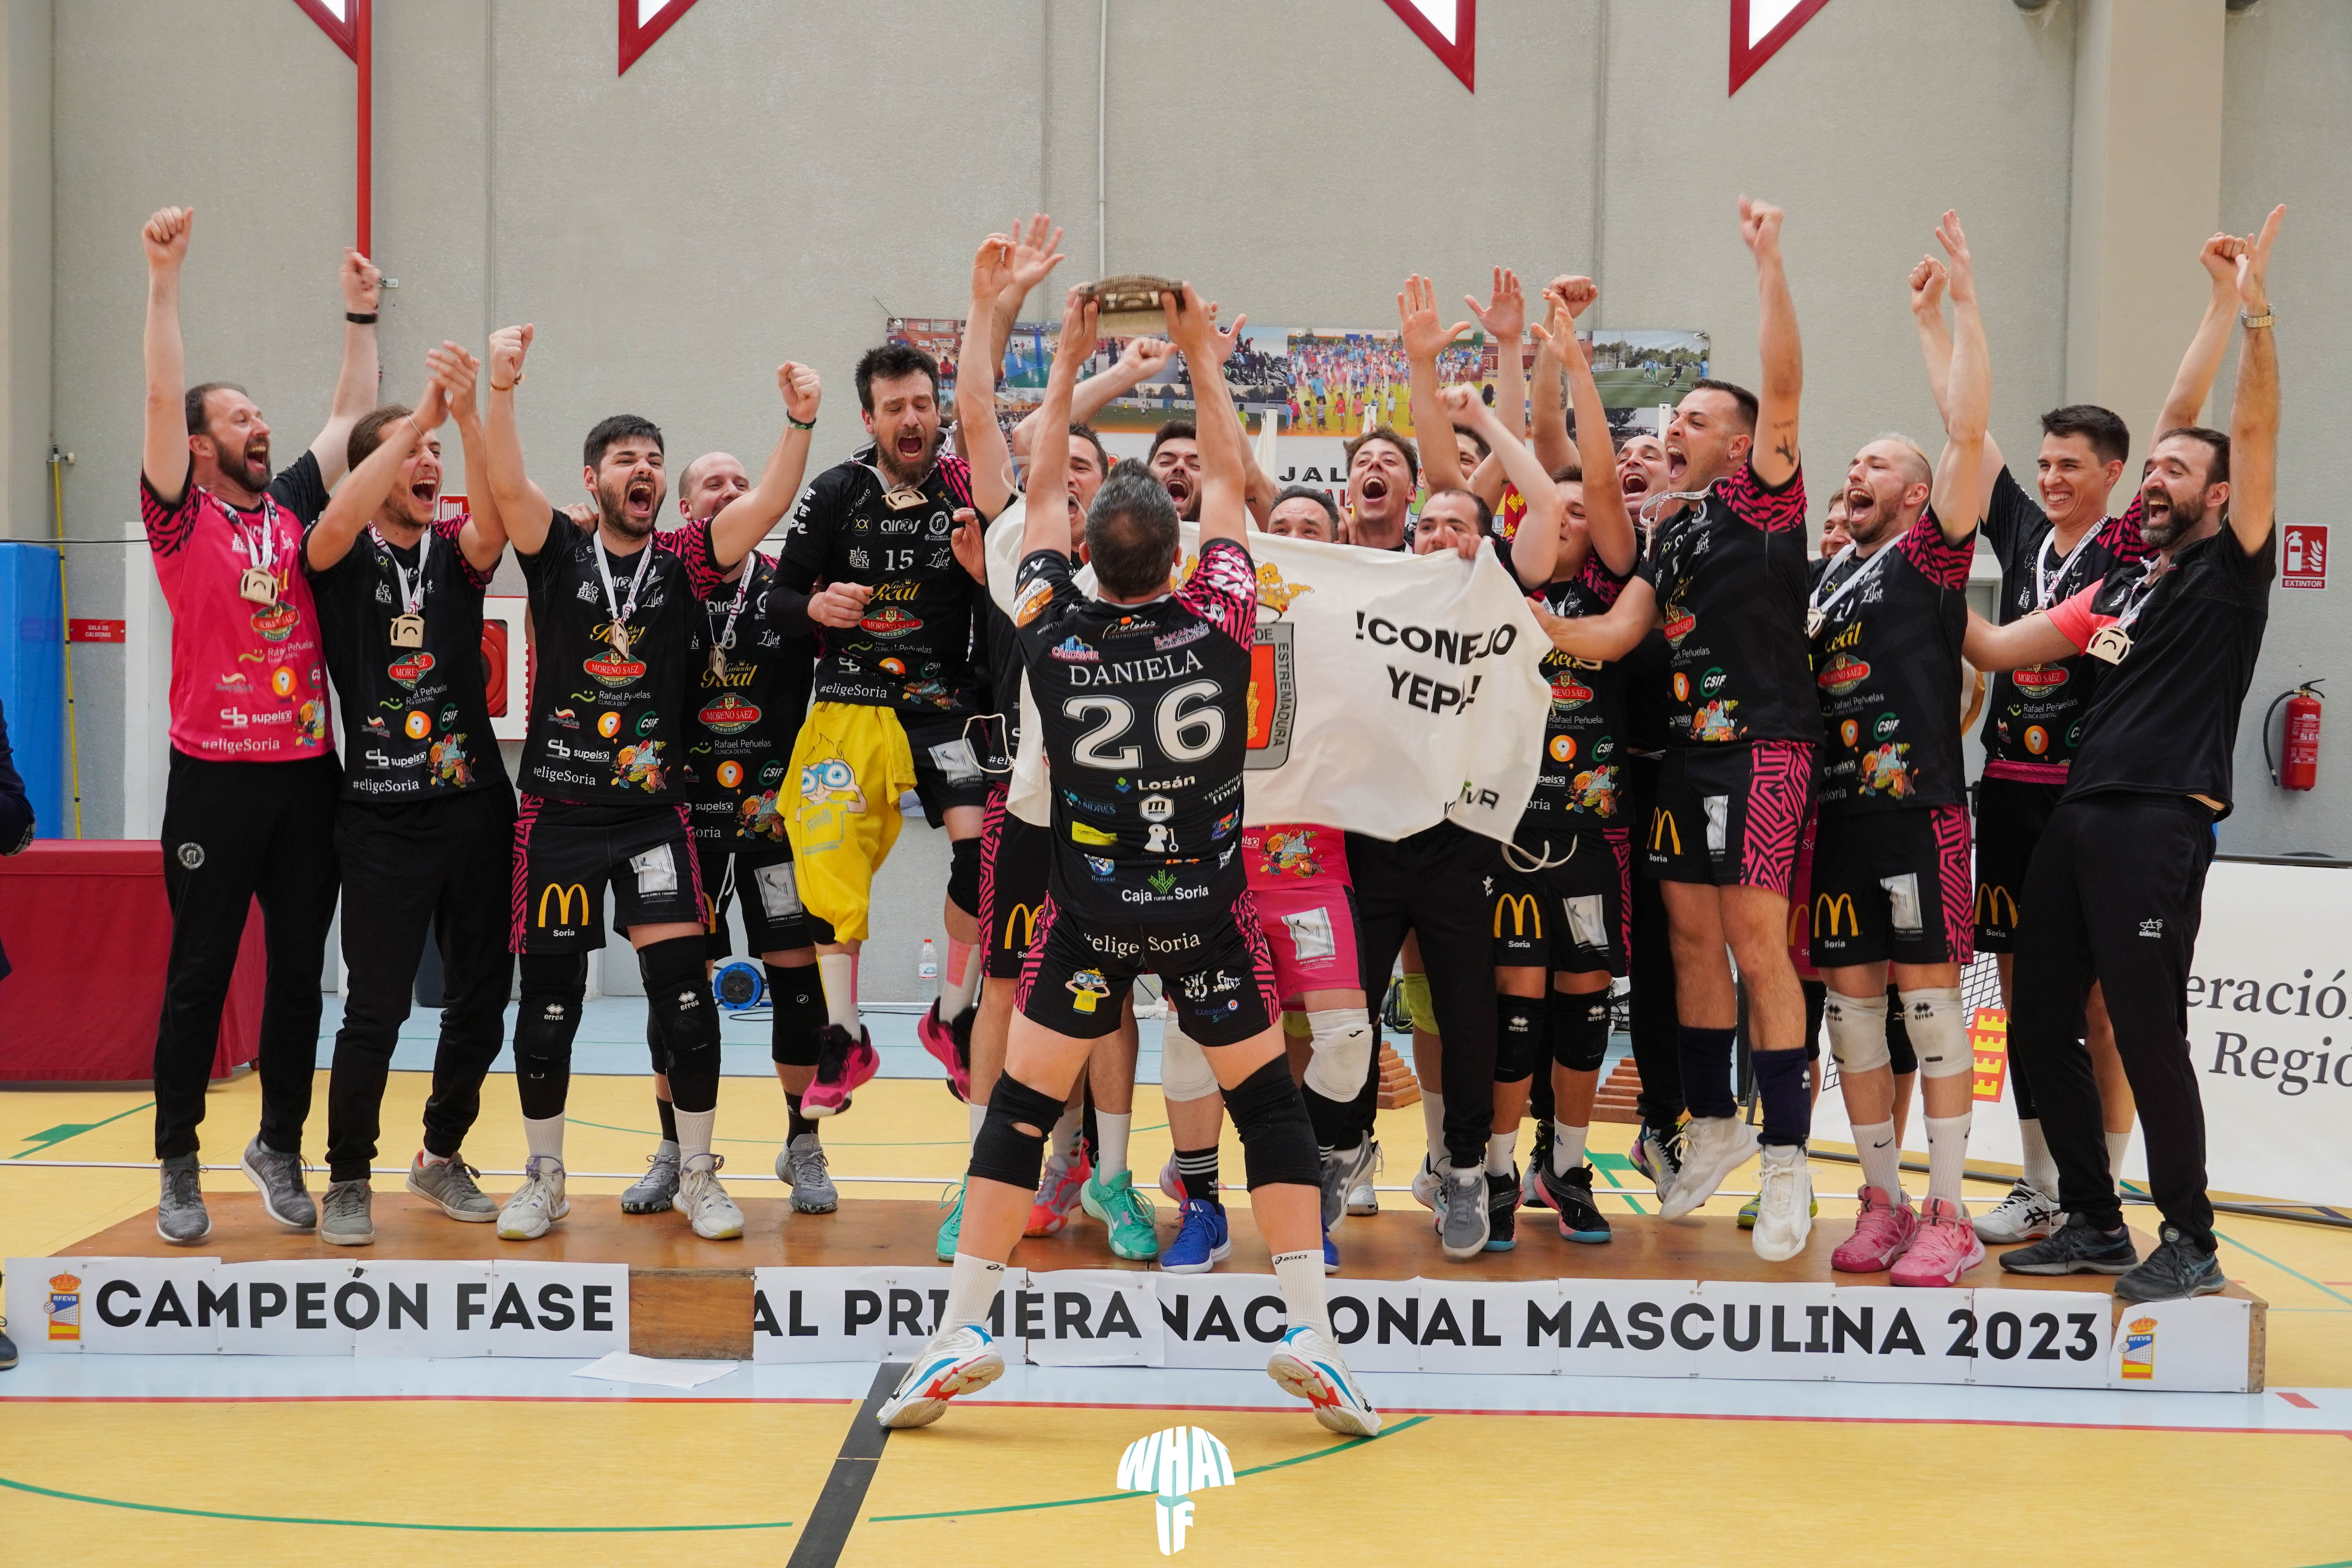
[
  {"x": 1526, "y": 914},
  {"x": 562, "y": 895},
  {"x": 1839, "y": 909},
  {"x": 1021, "y": 918},
  {"x": 1994, "y": 901},
  {"x": 1662, "y": 831}
]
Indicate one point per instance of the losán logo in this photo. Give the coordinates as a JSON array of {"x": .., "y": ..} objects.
[
  {"x": 890, "y": 621},
  {"x": 2040, "y": 677},
  {"x": 408, "y": 671},
  {"x": 731, "y": 715},
  {"x": 608, "y": 669},
  {"x": 1843, "y": 674}
]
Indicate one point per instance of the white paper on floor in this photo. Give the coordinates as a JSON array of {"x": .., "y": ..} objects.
[{"x": 621, "y": 1367}]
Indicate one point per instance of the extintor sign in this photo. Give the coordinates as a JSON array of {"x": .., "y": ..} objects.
[{"x": 2303, "y": 555}]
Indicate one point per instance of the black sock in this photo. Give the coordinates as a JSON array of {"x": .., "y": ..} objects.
[
  {"x": 1706, "y": 1070},
  {"x": 1196, "y": 1169},
  {"x": 1780, "y": 1085},
  {"x": 668, "y": 1119},
  {"x": 795, "y": 1123}
]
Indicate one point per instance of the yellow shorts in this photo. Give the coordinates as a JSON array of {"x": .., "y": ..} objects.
[{"x": 852, "y": 764}]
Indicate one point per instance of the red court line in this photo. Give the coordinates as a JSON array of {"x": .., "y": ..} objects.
[
  {"x": 2297, "y": 1400},
  {"x": 6, "y": 1400}
]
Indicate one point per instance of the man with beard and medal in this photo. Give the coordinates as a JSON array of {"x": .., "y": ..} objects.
[{"x": 620, "y": 627}]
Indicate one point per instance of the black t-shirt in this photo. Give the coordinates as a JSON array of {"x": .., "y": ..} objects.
[
  {"x": 417, "y": 718},
  {"x": 1731, "y": 575},
  {"x": 998, "y": 670},
  {"x": 2164, "y": 720},
  {"x": 1584, "y": 727},
  {"x": 1145, "y": 709},
  {"x": 607, "y": 728},
  {"x": 2036, "y": 718},
  {"x": 740, "y": 722},
  {"x": 1887, "y": 665},
  {"x": 912, "y": 650}
]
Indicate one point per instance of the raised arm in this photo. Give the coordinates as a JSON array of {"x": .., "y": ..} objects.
[
  {"x": 355, "y": 383},
  {"x": 522, "y": 504},
  {"x": 2254, "y": 411},
  {"x": 456, "y": 373},
  {"x": 1928, "y": 281},
  {"x": 1535, "y": 548},
  {"x": 1142, "y": 359},
  {"x": 1547, "y": 410},
  {"x": 2193, "y": 383},
  {"x": 1224, "y": 458},
  {"x": 1258, "y": 488},
  {"x": 1963, "y": 485},
  {"x": 163, "y": 452},
  {"x": 1424, "y": 340},
  {"x": 355, "y": 501},
  {"x": 1609, "y": 636},
  {"x": 1775, "y": 455},
  {"x": 1035, "y": 254},
  {"x": 1046, "y": 526},
  {"x": 975, "y": 392},
  {"x": 742, "y": 523},
  {"x": 1606, "y": 518},
  {"x": 1503, "y": 319},
  {"x": 2029, "y": 639}
]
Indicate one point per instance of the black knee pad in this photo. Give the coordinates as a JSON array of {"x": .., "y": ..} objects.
[
  {"x": 554, "y": 988},
  {"x": 963, "y": 876},
  {"x": 1278, "y": 1139},
  {"x": 1518, "y": 1036},
  {"x": 1580, "y": 1030},
  {"x": 796, "y": 1012},
  {"x": 678, "y": 995},
  {"x": 1003, "y": 1152},
  {"x": 654, "y": 1046},
  {"x": 1899, "y": 1054}
]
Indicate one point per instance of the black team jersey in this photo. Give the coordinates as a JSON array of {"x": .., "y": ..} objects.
[
  {"x": 2035, "y": 721},
  {"x": 1584, "y": 729},
  {"x": 607, "y": 727},
  {"x": 1146, "y": 726},
  {"x": 417, "y": 720},
  {"x": 743, "y": 711},
  {"x": 1887, "y": 665},
  {"x": 1731, "y": 574},
  {"x": 912, "y": 651}
]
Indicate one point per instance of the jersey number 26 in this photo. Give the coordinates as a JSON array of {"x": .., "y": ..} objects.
[{"x": 1186, "y": 734}]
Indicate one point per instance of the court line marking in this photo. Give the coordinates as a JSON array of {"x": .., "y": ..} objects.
[
  {"x": 92, "y": 1127},
  {"x": 2285, "y": 1269},
  {"x": 391, "y": 1524},
  {"x": 843, "y": 1497}
]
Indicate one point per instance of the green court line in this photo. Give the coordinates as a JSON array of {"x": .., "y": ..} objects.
[
  {"x": 1126, "y": 1497},
  {"x": 64, "y": 1131},
  {"x": 2282, "y": 1269},
  {"x": 395, "y": 1524},
  {"x": 1608, "y": 1166}
]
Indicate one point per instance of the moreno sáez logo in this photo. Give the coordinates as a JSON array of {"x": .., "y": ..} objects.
[{"x": 1174, "y": 1464}]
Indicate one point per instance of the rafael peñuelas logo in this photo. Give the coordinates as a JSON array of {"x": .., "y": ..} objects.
[
  {"x": 890, "y": 623},
  {"x": 729, "y": 715},
  {"x": 610, "y": 669},
  {"x": 1843, "y": 674},
  {"x": 408, "y": 671}
]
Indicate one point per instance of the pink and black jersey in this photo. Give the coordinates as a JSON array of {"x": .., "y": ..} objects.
[
  {"x": 1730, "y": 575},
  {"x": 1887, "y": 666},
  {"x": 743, "y": 712},
  {"x": 248, "y": 679},
  {"x": 1146, "y": 725},
  {"x": 1584, "y": 727}
]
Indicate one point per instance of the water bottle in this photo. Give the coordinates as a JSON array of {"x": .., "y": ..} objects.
[{"x": 928, "y": 966}]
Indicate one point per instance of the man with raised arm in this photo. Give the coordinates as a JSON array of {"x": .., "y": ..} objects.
[
  {"x": 617, "y": 616},
  {"x": 1146, "y": 690},
  {"x": 2115, "y": 892},
  {"x": 249, "y": 805}
]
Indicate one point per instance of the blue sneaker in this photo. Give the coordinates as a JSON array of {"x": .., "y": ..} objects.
[
  {"x": 1310, "y": 1366},
  {"x": 1330, "y": 1253},
  {"x": 1201, "y": 1241},
  {"x": 955, "y": 1363}
]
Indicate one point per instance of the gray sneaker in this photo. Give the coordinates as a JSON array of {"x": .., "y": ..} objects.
[
  {"x": 654, "y": 1189},
  {"x": 279, "y": 1179},
  {"x": 346, "y": 1223},
  {"x": 180, "y": 1217},
  {"x": 1343, "y": 1169},
  {"x": 1463, "y": 1224},
  {"x": 800, "y": 1166},
  {"x": 450, "y": 1184}
]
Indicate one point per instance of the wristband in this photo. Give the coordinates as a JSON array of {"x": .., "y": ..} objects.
[
  {"x": 360, "y": 318},
  {"x": 797, "y": 425}
]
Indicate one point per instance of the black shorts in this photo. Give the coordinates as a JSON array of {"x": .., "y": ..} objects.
[
  {"x": 761, "y": 874},
  {"x": 1217, "y": 973},
  {"x": 565, "y": 853},
  {"x": 1569, "y": 917},
  {"x": 946, "y": 762},
  {"x": 1729, "y": 815},
  {"x": 2011, "y": 816},
  {"x": 1014, "y": 856},
  {"x": 1892, "y": 886}
]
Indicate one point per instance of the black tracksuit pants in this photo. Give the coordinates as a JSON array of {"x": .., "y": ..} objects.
[
  {"x": 445, "y": 863},
  {"x": 234, "y": 832},
  {"x": 1650, "y": 967},
  {"x": 2113, "y": 895}
]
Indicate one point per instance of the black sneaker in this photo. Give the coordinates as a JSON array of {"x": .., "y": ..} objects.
[
  {"x": 1502, "y": 1212},
  {"x": 2077, "y": 1248},
  {"x": 1580, "y": 1218},
  {"x": 7, "y": 1347},
  {"x": 2175, "y": 1270},
  {"x": 1538, "y": 1161}
]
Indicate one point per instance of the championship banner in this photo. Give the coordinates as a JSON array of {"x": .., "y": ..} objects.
[{"x": 1387, "y": 693}]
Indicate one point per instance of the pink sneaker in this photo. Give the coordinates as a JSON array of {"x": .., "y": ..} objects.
[
  {"x": 940, "y": 1040},
  {"x": 1946, "y": 1246},
  {"x": 1057, "y": 1193},
  {"x": 1883, "y": 1232},
  {"x": 842, "y": 1066}
]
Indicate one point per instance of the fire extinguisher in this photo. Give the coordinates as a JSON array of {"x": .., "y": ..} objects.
[{"x": 2299, "y": 740}]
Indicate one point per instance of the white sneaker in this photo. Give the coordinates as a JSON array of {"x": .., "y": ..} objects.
[
  {"x": 1310, "y": 1366},
  {"x": 1713, "y": 1147},
  {"x": 704, "y": 1201},
  {"x": 2028, "y": 1214},
  {"x": 953, "y": 1363},
  {"x": 1425, "y": 1183},
  {"x": 1363, "y": 1198},
  {"x": 537, "y": 1203},
  {"x": 1784, "y": 1205}
]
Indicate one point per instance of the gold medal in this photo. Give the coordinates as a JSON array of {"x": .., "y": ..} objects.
[
  {"x": 408, "y": 631},
  {"x": 1814, "y": 621},
  {"x": 901, "y": 499},
  {"x": 719, "y": 663},
  {"x": 620, "y": 640},
  {"x": 259, "y": 585},
  {"x": 2110, "y": 645}
]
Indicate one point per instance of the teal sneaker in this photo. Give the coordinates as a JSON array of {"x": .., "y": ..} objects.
[
  {"x": 1126, "y": 1212},
  {"x": 951, "y": 1228}
]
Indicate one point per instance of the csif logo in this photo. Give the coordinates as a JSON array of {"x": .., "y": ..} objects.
[{"x": 1174, "y": 1464}]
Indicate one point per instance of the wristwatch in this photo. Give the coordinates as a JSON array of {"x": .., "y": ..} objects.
[{"x": 2264, "y": 320}]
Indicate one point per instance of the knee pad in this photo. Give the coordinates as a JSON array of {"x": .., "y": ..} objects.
[
  {"x": 796, "y": 1014},
  {"x": 677, "y": 993},
  {"x": 1938, "y": 1035},
  {"x": 1580, "y": 1030},
  {"x": 1857, "y": 1029},
  {"x": 1278, "y": 1139},
  {"x": 1342, "y": 1052},
  {"x": 1518, "y": 1036},
  {"x": 554, "y": 989},
  {"x": 1413, "y": 990},
  {"x": 654, "y": 1046},
  {"x": 1183, "y": 1070},
  {"x": 963, "y": 876},
  {"x": 1003, "y": 1152},
  {"x": 1899, "y": 1054}
]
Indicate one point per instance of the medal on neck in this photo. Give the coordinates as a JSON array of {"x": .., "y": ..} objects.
[
  {"x": 622, "y": 609},
  {"x": 902, "y": 497},
  {"x": 407, "y": 627},
  {"x": 724, "y": 639},
  {"x": 257, "y": 584}
]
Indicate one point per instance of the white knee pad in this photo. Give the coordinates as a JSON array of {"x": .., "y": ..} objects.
[
  {"x": 1342, "y": 1052},
  {"x": 1857, "y": 1027},
  {"x": 1939, "y": 1032},
  {"x": 1183, "y": 1070}
]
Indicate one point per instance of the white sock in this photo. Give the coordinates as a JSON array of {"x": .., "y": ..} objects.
[
  {"x": 2119, "y": 1143},
  {"x": 1067, "y": 1130},
  {"x": 962, "y": 985},
  {"x": 1300, "y": 1275},
  {"x": 1567, "y": 1148},
  {"x": 971, "y": 1290},
  {"x": 977, "y": 1114},
  {"x": 838, "y": 973},
  {"x": 1947, "y": 1154},
  {"x": 1432, "y": 1122},
  {"x": 427, "y": 1157},
  {"x": 1110, "y": 1131},
  {"x": 2040, "y": 1168},
  {"x": 693, "y": 1132},
  {"x": 544, "y": 1136},
  {"x": 1501, "y": 1149},
  {"x": 1882, "y": 1157}
]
